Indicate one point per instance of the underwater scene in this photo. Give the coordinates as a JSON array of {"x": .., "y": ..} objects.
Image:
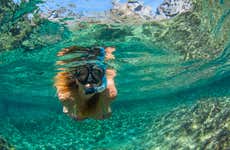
[{"x": 115, "y": 75}]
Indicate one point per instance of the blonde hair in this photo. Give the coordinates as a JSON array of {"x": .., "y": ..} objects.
[{"x": 66, "y": 85}]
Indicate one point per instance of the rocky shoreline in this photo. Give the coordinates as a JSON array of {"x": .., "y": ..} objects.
[{"x": 130, "y": 11}]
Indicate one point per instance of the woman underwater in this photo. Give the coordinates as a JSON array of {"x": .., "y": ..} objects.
[{"x": 86, "y": 90}]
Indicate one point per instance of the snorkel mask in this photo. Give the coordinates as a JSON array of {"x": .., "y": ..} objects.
[{"x": 94, "y": 76}]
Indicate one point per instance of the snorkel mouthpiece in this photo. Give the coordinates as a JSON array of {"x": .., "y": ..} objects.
[
  {"x": 90, "y": 91},
  {"x": 97, "y": 89}
]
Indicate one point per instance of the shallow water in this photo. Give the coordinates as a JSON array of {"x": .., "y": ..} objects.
[{"x": 152, "y": 80}]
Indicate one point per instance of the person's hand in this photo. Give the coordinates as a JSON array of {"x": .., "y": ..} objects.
[
  {"x": 109, "y": 56},
  {"x": 109, "y": 51},
  {"x": 63, "y": 52},
  {"x": 64, "y": 96},
  {"x": 111, "y": 88}
]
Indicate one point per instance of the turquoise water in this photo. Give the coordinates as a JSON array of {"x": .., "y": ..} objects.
[{"x": 161, "y": 67}]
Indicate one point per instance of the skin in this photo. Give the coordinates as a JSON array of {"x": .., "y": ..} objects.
[{"x": 71, "y": 93}]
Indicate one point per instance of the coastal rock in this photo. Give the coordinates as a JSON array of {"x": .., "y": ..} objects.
[
  {"x": 60, "y": 13},
  {"x": 171, "y": 8},
  {"x": 130, "y": 10},
  {"x": 136, "y": 9}
]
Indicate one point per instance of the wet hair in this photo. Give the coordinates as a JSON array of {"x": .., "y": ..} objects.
[{"x": 66, "y": 84}]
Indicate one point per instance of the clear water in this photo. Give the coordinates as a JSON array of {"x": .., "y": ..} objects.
[{"x": 153, "y": 78}]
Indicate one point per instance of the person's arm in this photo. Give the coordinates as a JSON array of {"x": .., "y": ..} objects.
[
  {"x": 110, "y": 74},
  {"x": 108, "y": 95}
]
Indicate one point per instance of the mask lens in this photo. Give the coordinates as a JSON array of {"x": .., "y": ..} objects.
[
  {"x": 89, "y": 74},
  {"x": 97, "y": 74},
  {"x": 82, "y": 74}
]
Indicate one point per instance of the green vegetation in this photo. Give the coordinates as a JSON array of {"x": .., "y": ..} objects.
[{"x": 22, "y": 27}]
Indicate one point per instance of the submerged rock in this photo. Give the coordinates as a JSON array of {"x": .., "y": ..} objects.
[
  {"x": 4, "y": 145},
  {"x": 206, "y": 125}
]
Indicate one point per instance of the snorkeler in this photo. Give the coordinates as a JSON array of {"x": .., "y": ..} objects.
[{"x": 86, "y": 90}]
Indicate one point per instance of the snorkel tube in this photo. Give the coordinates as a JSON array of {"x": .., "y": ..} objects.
[{"x": 102, "y": 87}]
